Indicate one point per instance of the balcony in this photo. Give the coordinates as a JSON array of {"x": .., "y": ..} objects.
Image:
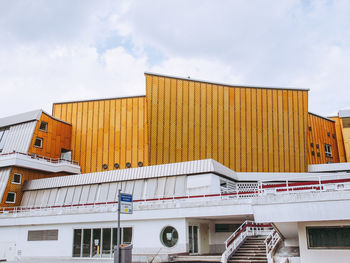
[{"x": 37, "y": 162}]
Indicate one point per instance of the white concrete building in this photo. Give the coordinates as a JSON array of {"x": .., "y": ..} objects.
[{"x": 182, "y": 211}]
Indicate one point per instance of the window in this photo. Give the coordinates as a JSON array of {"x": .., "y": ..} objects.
[
  {"x": 43, "y": 126},
  {"x": 17, "y": 179},
  {"x": 11, "y": 198},
  {"x": 313, "y": 153},
  {"x": 312, "y": 144},
  {"x": 41, "y": 235},
  {"x": 226, "y": 227},
  {"x": 38, "y": 142},
  {"x": 310, "y": 128},
  {"x": 169, "y": 236},
  {"x": 3, "y": 136},
  {"x": 328, "y": 150},
  {"x": 328, "y": 237},
  {"x": 328, "y": 134},
  {"x": 98, "y": 242}
]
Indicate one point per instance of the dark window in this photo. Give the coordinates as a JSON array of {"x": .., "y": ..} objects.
[
  {"x": 40, "y": 235},
  {"x": 38, "y": 142},
  {"x": 317, "y": 146},
  {"x": 226, "y": 227},
  {"x": 328, "y": 237},
  {"x": 312, "y": 144},
  {"x": 43, "y": 126},
  {"x": 329, "y": 134},
  {"x": 313, "y": 153},
  {"x": 318, "y": 155},
  {"x": 86, "y": 242},
  {"x": 328, "y": 150},
  {"x": 333, "y": 136},
  {"x": 11, "y": 198},
  {"x": 17, "y": 179},
  {"x": 76, "y": 242},
  {"x": 310, "y": 128}
]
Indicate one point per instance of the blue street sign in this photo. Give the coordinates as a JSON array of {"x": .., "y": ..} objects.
[{"x": 126, "y": 198}]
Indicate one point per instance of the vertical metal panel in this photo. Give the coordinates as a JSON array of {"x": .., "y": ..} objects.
[
  {"x": 39, "y": 198},
  {"x": 245, "y": 128},
  {"x": 69, "y": 196},
  {"x": 160, "y": 187},
  {"x": 19, "y": 137},
  {"x": 129, "y": 187},
  {"x": 46, "y": 197},
  {"x": 138, "y": 188},
  {"x": 53, "y": 196},
  {"x": 107, "y": 132},
  {"x": 25, "y": 198},
  {"x": 84, "y": 194},
  {"x": 92, "y": 194},
  {"x": 112, "y": 193},
  {"x": 4, "y": 177},
  {"x": 180, "y": 185},
  {"x": 103, "y": 192},
  {"x": 151, "y": 188},
  {"x": 61, "y": 195},
  {"x": 77, "y": 194},
  {"x": 169, "y": 186}
]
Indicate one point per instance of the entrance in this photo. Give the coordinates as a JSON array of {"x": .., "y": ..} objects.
[{"x": 193, "y": 233}]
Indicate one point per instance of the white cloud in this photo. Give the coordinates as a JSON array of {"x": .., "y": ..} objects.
[{"x": 64, "y": 50}]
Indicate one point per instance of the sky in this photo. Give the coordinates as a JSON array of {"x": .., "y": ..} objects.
[{"x": 64, "y": 50}]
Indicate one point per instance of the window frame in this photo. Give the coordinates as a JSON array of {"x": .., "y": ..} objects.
[
  {"x": 20, "y": 178},
  {"x": 324, "y": 227},
  {"x": 14, "y": 198},
  {"x": 328, "y": 153},
  {"x": 43, "y": 122},
  {"x": 42, "y": 142}
]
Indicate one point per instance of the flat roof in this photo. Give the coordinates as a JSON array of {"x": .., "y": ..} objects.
[{"x": 223, "y": 84}]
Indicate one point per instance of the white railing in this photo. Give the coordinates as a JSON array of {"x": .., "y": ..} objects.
[
  {"x": 334, "y": 182},
  {"x": 271, "y": 243},
  {"x": 39, "y": 157},
  {"x": 248, "y": 228}
]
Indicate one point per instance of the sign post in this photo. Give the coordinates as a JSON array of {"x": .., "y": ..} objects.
[{"x": 125, "y": 207}]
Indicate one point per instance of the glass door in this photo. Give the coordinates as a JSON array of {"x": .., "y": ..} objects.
[{"x": 193, "y": 239}]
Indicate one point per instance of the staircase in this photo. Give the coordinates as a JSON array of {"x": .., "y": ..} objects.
[
  {"x": 252, "y": 250},
  {"x": 251, "y": 242}
]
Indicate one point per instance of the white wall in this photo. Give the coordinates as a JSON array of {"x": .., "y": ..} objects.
[
  {"x": 146, "y": 239},
  {"x": 321, "y": 255}
]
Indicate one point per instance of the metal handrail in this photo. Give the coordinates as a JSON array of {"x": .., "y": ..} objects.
[
  {"x": 41, "y": 157},
  {"x": 271, "y": 242},
  {"x": 236, "y": 239}
]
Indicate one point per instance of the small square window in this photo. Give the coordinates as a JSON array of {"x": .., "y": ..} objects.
[
  {"x": 333, "y": 136},
  {"x": 318, "y": 155},
  {"x": 310, "y": 128},
  {"x": 43, "y": 126},
  {"x": 312, "y": 144},
  {"x": 317, "y": 146},
  {"x": 329, "y": 134},
  {"x": 313, "y": 153},
  {"x": 17, "y": 179},
  {"x": 11, "y": 198},
  {"x": 38, "y": 142}
]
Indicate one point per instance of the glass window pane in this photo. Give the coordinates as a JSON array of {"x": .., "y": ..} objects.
[
  {"x": 76, "y": 242},
  {"x": 96, "y": 243},
  {"x": 86, "y": 242},
  {"x": 127, "y": 235},
  {"x": 106, "y": 244}
]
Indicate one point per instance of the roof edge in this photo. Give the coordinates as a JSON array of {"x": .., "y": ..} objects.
[
  {"x": 99, "y": 99},
  {"x": 222, "y": 83},
  {"x": 321, "y": 116}
]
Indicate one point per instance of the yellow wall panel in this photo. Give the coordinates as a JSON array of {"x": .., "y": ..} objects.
[{"x": 107, "y": 132}]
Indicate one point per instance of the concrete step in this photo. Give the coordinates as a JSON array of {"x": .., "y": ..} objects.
[
  {"x": 199, "y": 258},
  {"x": 247, "y": 261}
]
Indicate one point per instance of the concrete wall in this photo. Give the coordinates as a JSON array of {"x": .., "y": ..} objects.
[
  {"x": 146, "y": 239},
  {"x": 321, "y": 255}
]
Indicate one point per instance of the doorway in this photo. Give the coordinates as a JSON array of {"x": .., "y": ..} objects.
[{"x": 193, "y": 239}]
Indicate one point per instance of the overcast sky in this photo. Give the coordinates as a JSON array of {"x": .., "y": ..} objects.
[{"x": 52, "y": 51}]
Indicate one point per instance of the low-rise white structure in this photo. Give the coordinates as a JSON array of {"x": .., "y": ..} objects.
[{"x": 190, "y": 208}]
